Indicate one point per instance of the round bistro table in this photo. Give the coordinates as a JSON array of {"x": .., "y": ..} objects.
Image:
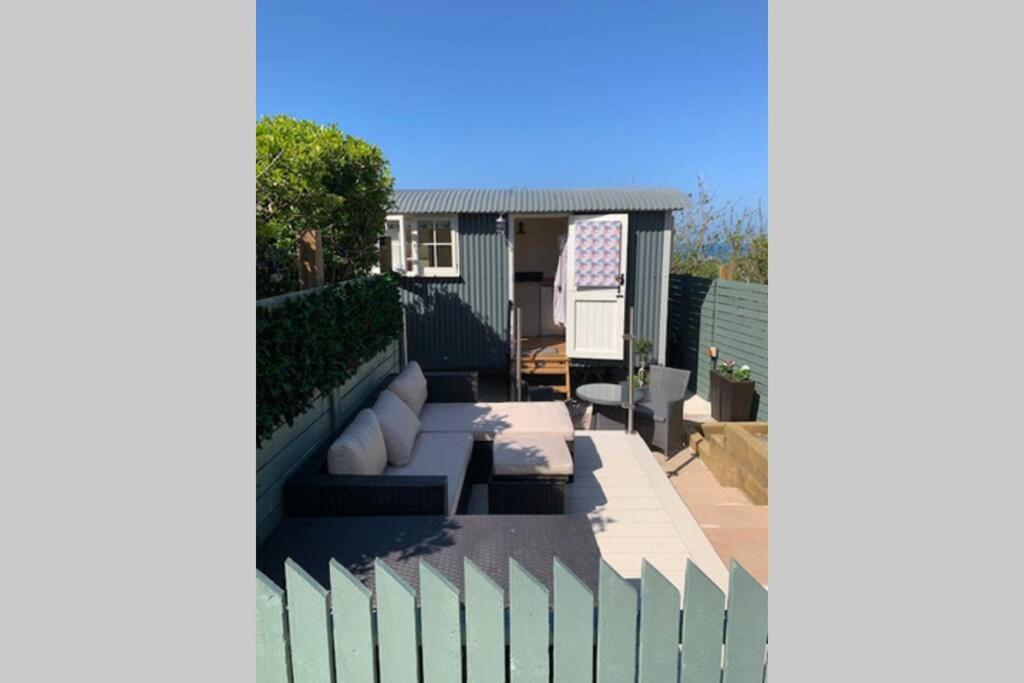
[{"x": 610, "y": 402}]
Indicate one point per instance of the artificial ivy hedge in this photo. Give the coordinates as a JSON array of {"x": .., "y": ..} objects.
[{"x": 316, "y": 342}]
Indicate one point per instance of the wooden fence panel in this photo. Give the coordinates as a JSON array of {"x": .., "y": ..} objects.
[
  {"x": 529, "y": 626},
  {"x": 574, "y": 628},
  {"x": 308, "y": 626},
  {"x": 352, "y": 609},
  {"x": 302, "y": 631},
  {"x": 703, "y": 603},
  {"x": 271, "y": 632},
  {"x": 440, "y": 627},
  {"x": 396, "y": 626},
  {"x": 616, "y": 628},
  {"x": 732, "y": 316},
  {"x": 659, "y": 626},
  {"x": 485, "y": 627},
  {"x": 746, "y": 631}
]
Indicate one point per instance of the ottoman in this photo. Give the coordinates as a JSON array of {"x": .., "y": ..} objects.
[{"x": 529, "y": 473}]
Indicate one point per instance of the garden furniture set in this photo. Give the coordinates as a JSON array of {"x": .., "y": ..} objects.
[
  {"x": 658, "y": 406},
  {"x": 423, "y": 444}
]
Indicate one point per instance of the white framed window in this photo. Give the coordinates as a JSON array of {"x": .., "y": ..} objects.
[
  {"x": 431, "y": 245},
  {"x": 423, "y": 246}
]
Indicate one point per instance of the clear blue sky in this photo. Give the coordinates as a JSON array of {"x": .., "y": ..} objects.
[{"x": 531, "y": 94}]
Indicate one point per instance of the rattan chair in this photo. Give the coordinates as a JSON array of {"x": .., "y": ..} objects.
[{"x": 659, "y": 416}]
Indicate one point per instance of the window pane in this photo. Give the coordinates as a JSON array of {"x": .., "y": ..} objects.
[
  {"x": 396, "y": 256},
  {"x": 426, "y": 234},
  {"x": 443, "y": 235},
  {"x": 392, "y": 229},
  {"x": 408, "y": 244},
  {"x": 444, "y": 257},
  {"x": 426, "y": 254}
]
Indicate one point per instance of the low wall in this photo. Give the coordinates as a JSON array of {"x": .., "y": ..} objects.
[{"x": 285, "y": 451}]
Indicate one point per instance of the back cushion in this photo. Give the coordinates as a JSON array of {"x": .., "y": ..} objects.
[
  {"x": 360, "y": 449},
  {"x": 399, "y": 425},
  {"x": 411, "y": 387}
]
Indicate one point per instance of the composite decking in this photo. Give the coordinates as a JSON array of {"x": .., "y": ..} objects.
[{"x": 633, "y": 510}]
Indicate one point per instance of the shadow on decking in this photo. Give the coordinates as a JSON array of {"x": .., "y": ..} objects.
[{"x": 585, "y": 486}]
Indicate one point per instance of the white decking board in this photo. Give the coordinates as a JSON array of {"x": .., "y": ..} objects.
[{"x": 634, "y": 511}]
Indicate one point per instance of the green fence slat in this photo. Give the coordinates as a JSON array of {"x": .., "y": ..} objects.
[
  {"x": 703, "y": 619},
  {"x": 352, "y": 608},
  {"x": 529, "y": 626},
  {"x": 616, "y": 628},
  {"x": 746, "y": 630},
  {"x": 308, "y": 626},
  {"x": 659, "y": 626},
  {"x": 396, "y": 626},
  {"x": 271, "y": 632},
  {"x": 440, "y": 627},
  {"x": 485, "y": 627},
  {"x": 574, "y": 628}
]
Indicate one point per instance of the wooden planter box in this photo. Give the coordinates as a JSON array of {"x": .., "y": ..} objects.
[{"x": 731, "y": 401}]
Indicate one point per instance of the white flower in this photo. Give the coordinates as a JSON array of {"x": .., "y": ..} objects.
[{"x": 745, "y": 367}]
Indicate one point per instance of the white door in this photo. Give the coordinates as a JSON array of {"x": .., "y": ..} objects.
[{"x": 595, "y": 302}]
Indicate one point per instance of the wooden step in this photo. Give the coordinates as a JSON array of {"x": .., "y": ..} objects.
[
  {"x": 561, "y": 363},
  {"x": 543, "y": 371},
  {"x": 546, "y": 364}
]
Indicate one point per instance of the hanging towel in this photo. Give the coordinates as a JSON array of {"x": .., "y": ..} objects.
[{"x": 558, "y": 304}]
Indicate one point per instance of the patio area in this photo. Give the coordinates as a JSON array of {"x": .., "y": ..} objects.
[{"x": 634, "y": 512}]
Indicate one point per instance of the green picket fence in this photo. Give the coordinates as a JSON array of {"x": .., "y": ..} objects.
[{"x": 309, "y": 634}]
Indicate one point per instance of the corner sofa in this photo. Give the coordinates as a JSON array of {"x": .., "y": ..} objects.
[{"x": 435, "y": 452}]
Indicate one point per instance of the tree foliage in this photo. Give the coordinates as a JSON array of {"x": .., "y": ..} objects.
[
  {"x": 315, "y": 177},
  {"x": 711, "y": 234}
]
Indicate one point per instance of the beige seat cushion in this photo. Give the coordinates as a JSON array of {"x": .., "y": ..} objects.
[
  {"x": 399, "y": 425},
  {"x": 524, "y": 455},
  {"x": 440, "y": 454},
  {"x": 411, "y": 386},
  {"x": 487, "y": 420},
  {"x": 360, "y": 449}
]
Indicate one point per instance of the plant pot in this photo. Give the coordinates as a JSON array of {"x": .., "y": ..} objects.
[{"x": 730, "y": 400}]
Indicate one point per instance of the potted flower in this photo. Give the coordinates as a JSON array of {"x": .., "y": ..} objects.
[
  {"x": 732, "y": 391},
  {"x": 643, "y": 347}
]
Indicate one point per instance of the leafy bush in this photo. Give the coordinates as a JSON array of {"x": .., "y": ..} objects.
[
  {"x": 315, "y": 342},
  {"x": 314, "y": 177},
  {"x": 709, "y": 234}
]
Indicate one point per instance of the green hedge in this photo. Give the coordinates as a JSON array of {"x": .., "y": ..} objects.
[{"x": 316, "y": 342}]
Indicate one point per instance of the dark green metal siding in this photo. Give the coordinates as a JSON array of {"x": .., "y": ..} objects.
[
  {"x": 462, "y": 323},
  {"x": 646, "y": 261}
]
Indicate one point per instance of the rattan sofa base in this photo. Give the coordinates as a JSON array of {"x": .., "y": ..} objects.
[{"x": 542, "y": 495}]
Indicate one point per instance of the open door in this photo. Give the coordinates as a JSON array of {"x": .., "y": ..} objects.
[{"x": 595, "y": 286}]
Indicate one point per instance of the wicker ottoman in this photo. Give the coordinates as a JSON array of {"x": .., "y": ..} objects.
[{"x": 529, "y": 474}]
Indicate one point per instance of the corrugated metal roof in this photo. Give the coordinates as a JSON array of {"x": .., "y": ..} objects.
[{"x": 540, "y": 201}]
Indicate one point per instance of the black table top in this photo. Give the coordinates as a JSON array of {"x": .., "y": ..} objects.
[{"x": 401, "y": 542}]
